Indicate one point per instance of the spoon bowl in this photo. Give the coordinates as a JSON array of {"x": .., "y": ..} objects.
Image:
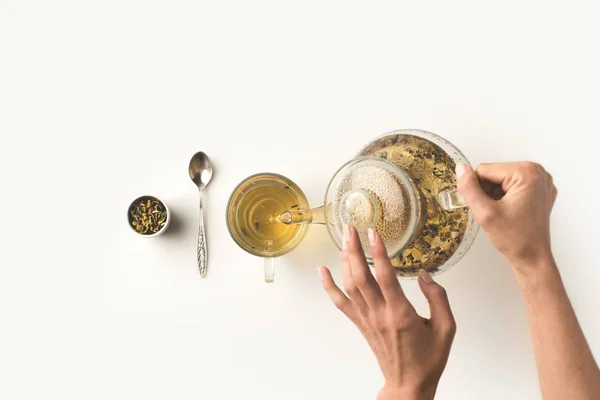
[{"x": 200, "y": 169}]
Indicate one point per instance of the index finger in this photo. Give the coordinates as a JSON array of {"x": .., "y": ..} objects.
[
  {"x": 361, "y": 274},
  {"x": 384, "y": 271},
  {"x": 505, "y": 174},
  {"x": 497, "y": 172}
]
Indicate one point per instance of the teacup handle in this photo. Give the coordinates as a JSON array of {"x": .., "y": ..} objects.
[
  {"x": 269, "y": 270},
  {"x": 450, "y": 200}
]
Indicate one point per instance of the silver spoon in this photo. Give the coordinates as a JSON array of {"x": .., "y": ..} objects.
[{"x": 201, "y": 171}]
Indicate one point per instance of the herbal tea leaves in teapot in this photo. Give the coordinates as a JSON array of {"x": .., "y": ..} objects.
[{"x": 432, "y": 170}]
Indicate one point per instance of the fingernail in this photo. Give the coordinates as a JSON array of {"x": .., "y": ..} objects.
[
  {"x": 371, "y": 234},
  {"x": 461, "y": 169},
  {"x": 346, "y": 236},
  {"x": 320, "y": 269},
  {"x": 425, "y": 276}
]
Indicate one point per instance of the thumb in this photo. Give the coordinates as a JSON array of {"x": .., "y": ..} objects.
[
  {"x": 441, "y": 314},
  {"x": 470, "y": 189}
]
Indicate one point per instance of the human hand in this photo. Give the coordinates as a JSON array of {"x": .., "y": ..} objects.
[
  {"x": 512, "y": 203},
  {"x": 412, "y": 351}
]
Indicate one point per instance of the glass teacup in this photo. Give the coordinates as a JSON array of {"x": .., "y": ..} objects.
[{"x": 253, "y": 214}]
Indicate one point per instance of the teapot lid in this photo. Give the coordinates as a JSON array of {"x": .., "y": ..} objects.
[{"x": 371, "y": 192}]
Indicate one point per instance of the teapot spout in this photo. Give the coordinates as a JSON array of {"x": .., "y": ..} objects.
[{"x": 294, "y": 217}]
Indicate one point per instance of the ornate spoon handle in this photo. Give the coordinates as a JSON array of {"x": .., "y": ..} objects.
[{"x": 202, "y": 249}]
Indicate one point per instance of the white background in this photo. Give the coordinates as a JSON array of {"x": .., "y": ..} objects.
[{"x": 103, "y": 101}]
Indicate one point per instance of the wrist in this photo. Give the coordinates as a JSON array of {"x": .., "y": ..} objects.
[
  {"x": 536, "y": 274},
  {"x": 531, "y": 261},
  {"x": 405, "y": 393}
]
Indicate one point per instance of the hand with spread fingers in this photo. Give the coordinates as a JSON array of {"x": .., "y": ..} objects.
[{"x": 412, "y": 351}]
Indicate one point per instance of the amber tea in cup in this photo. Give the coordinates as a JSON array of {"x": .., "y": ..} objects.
[{"x": 253, "y": 217}]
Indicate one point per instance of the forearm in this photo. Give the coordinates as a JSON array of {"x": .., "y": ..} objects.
[{"x": 566, "y": 366}]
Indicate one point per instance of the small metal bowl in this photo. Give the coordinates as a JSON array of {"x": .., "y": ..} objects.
[{"x": 135, "y": 203}]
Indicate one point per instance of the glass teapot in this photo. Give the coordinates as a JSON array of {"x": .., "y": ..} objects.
[{"x": 402, "y": 184}]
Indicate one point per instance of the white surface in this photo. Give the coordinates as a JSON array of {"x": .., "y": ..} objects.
[{"x": 103, "y": 101}]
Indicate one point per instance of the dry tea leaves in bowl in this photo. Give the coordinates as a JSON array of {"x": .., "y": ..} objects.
[{"x": 147, "y": 215}]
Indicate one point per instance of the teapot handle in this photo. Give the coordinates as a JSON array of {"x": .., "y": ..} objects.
[{"x": 450, "y": 200}]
